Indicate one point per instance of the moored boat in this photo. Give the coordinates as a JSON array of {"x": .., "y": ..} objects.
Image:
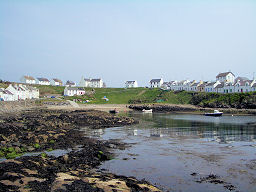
[
  {"x": 147, "y": 110},
  {"x": 215, "y": 113},
  {"x": 114, "y": 111}
]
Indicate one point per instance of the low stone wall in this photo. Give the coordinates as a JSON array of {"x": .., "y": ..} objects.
[{"x": 15, "y": 106}]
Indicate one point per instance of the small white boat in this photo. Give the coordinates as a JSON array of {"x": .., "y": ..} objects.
[
  {"x": 147, "y": 110},
  {"x": 215, "y": 113}
]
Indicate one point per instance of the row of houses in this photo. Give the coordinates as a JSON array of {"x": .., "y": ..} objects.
[
  {"x": 95, "y": 83},
  {"x": 224, "y": 83},
  {"x": 18, "y": 92}
]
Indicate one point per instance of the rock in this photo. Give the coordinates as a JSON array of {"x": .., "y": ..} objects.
[
  {"x": 31, "y": 148},
  {"x": 16, "y": 144},
  {"x": 17, "y": 149}
]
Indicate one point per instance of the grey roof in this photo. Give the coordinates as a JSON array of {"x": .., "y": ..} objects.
[
  {"x": 70, "y": 82},
  {"x": 75, "y": 88},
  {"x": 130, "y": 81},
  {"x": 155, "y": 80},
  {"x": 241, "y": 78},
  {"x": 57, "y": 80},
  {"x": 224, "y": 74},
  {"x": 95, "y": 79},
  {"x": 254, "y": 84},
  {"x": 8, "y": 92},
  {"x": 221, "y": 85},
  {"x": 210, "y": 84},
  {"x": 29, "y": 77},
  {"x": 42, "y": 79}
]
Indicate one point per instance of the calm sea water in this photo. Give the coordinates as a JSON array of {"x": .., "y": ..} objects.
[{"x": 166, "y": 149}]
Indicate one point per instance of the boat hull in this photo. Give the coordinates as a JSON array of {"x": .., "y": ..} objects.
[{"x": 213, "y": 114}]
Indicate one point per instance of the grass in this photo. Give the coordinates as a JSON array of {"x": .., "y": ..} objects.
[{"x": 48, "y": 89}]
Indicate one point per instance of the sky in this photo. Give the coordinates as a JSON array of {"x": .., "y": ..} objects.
[{"x": 120, "y": 40}]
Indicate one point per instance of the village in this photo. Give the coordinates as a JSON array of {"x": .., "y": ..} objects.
[{"x": 225, "y": 83}]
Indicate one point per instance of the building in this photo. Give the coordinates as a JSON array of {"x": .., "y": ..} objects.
[
  {"x": 210, "y": 87},
  {"x": 71, "y": 91},
  {"x": 21, "y": 92},
  {"x": 85, "y": 82},
  {"x": 94, "y": 83},
  {"x": 6, "y": 95},
  {"x": 42, "y": 81},
  {"x": 27, "y": 79},
  {"x": 70, "y": 84},
  {"x": 228, "y": 77},
  {"x": 131, "y": 84},
  {"x": 56, "y": 82},
  {"x": 156, "y": 83}
]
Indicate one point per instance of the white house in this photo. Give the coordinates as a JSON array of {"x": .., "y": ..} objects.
[
  {"x": 6, "y": 95},
  {"x": 182, "y": 85},
  {"x": 17, "y": 94},
  {"x": 42, "y": 81},
  {"x": 131, "y": 84},
  {"x": 220, "y": 88},
  {"x": 156, "y": 83},
  {"x": 173, "y": 85},
  {"x": 85, "y": 82},
  {"x": 210, "y": 87},
  {"x": 27, "y": 79},
  {"x": 71, "y": 91},
  {"x": 70, "y": 84},
  {"x": 228, "y": 88},
  {"x": 193, "y": 86},
  {"x": 56, "y": 82},
  {"x": 226, "y": 77},
  {"x": 96, "y": 83}
]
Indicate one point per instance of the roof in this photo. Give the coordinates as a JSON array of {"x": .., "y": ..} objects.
[
  {"x": 241, "y": 78},
  {"x": 7, "y": 92},
  {"x": 210, "y": 84},
  {"x": 70, "y": 82},
  {"x": 224, "y": 74},
  {"x": 155, "y": 80},
  {"x": 95, "y": 79},
  {"x": 75, "y": 88},
  {"x": 87, "y": 79},
  {"x": 221, "y": 85},
  {"x": 254, "y": 85},
  {"x": 130, "y": 81},
  {"x": 57, "y": 80},
  {"x": 42, "y": 79},
  {"x": 29, "y": 77}
]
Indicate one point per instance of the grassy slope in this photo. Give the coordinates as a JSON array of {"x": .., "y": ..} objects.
[{"x": 145, "y": 95}]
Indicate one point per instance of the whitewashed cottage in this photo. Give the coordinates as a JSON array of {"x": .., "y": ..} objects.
[
  {"x": 71, "y": 91},
  {"x": 228, "y": 77},
  {"x": 84, "y": 82},
  {"x": 56, "y": 82},
  {"x": 131, "y": 84},
  {"x": 6, "y": 95},
  {"x": 210, "y": 87},
  {"x": 96, "y": 83},
  {"x": 42, "y": 81},
  {"x": 27, "y": 79},
  {"x": 156, "y": 83}
]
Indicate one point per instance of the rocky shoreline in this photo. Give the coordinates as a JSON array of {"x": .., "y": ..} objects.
[
  {"x": 165, "y": 108},
  {"x": 41, "y": 130}
]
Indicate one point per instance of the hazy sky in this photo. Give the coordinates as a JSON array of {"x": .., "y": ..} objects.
[{"x": 121, "y": 40}]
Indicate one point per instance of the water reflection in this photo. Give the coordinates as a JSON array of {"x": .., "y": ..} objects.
[{"x": 221, "y": 129}]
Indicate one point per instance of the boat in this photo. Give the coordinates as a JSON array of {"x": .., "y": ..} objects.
[
  {"x": 147, "y": 110},
  {"x": 114, "y": 111},
  {"x": 215, "y": 113}
]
